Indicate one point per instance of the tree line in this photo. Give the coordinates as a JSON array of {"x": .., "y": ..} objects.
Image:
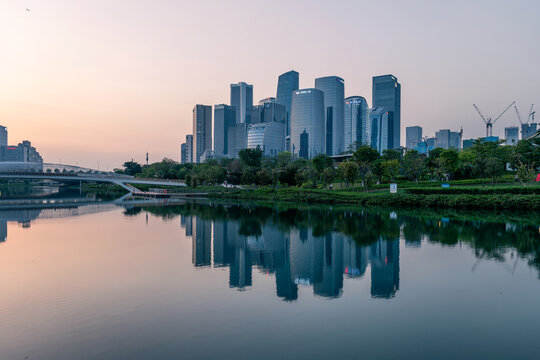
[{"x": 484, "y": 160}]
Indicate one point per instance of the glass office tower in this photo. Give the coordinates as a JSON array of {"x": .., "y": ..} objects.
[
  {"x": 202, "y": 130},
  {"x": 224, "y": 119},
  {"x": 387, "y": 93},
  {"x": 379, "y": 128},
  {"x": 269, "y": 137},
  {"x": 287, "y": 83},
  {"x": 333, "y": 88},
  {"x": 413, "y": 136},
  {"x": 307, "y": 123},
  {"x": 356, "y": 123},
  {"x": 242, "y": 100}
]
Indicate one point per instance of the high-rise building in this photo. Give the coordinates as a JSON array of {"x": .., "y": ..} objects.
[
  {"x": 242, "y": 100},
  {"x": 356, "y": 123},
  {"x": 442, "y": 139},
  {"x": 287, "y": 83},
  {"x": 183, "y": 153},
  {"x": 430, "y": 142},
  {"x": 387, "y": 93},
  {"x": 511, "y": 135},
  {"x": 202, "y": 130},
  {"x": 237, "y": 139},
  {"x": 224, "y": 119},
  {"x": 455, "y": 140},
  {"x": 528, "y": 130},
  {"x": 379, "y": 128},
  {"x": 413, "y": 136},
  {"x": 333, "y": 88},
  {"x": 3, "y": 136},
  {"x": 307, "y": 123},
  {"x": 268, "y": 136},
  {"x": 189, "y": 149}
]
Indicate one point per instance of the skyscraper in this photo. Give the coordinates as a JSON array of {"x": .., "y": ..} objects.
[
  {"x": 287, "y": 83},
  {"x": 189, "y": 149},
  {"x": 183, "y": 153},
  {"x": 307, "y": 123},
  {"x": 242, "y": 100},
  {"x": 387, "y": 93},
  {"x": 3, "y": 136},
  {"x": 333, "y": 88},
  {"x": 413, "y": 136},
  {"x": 455, "y": 140},
  {"x": 356, "y": 122},
  {"x": 224, "y": 119},
  {"x": 442, "y": 139},
  {"x": 511, "y": 135},
  {"x": 202, "y": 130},
  {"x": 379, "y": 128}
]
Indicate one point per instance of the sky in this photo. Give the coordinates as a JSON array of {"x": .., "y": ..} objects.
[{"x": 100, "y": 82}]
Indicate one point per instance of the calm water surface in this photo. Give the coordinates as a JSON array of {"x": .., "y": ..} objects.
[{"x": 212, "y": 280}]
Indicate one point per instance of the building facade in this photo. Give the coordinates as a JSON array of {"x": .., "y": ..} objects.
[
  {"x": 268, "y": 136},
  {"x": 511, "y": 134},
  {"x": 356, "y": 124},
  {"x": 455, "y": 140},
  {"x": 442, "y": 139},
  {"x": 224, "y": 119},
  {"x": 387, "y": 93},
  {"x": 413, "y": 136},
  {"x": 242, "y": 100},
  {"x": 307, "y": 123},
  {"x": 287, "y": 83},
  {"x": 3, "y": 136},
  {"x": 333, "y": 88},
  {"x": 189, "y": 149},
  {"x": 183, "y": 153},
  {"x": 379, "y": 128},
  {"x": 202, "y": 130}
]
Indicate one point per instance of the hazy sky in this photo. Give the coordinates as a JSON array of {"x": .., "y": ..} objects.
[{"x": 109, "y": 80}]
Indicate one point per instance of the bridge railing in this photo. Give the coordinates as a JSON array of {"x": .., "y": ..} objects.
[{"x": 27, "y": 168}]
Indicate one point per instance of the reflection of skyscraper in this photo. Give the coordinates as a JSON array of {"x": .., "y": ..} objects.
[
  {"x": 240, "y": 272},
  {"x": 201, "y": 243},
  {"x": 3, "y": 231},
  {"x": 285, "y": 286},
  {"x": 355, "y": 259},
  {"x": 384, "y": 255},
  {"x": 331, "y": 281}
]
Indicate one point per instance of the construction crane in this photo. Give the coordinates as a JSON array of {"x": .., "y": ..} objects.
[
  {"x": 489, "y": 121},
  {"x": 525, "y": 124}
]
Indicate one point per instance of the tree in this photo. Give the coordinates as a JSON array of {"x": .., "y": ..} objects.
[
  {"x": 448, "y": 161},
  {"x": 392, "y": 154},
  {"x": 328, "y": 176},
  {"x": 251, "y": 157},
  {"x": 524, "y": 172},
  {"x": 413, "y": 165},
  {"x": 350, "y": 171},
  {"x": 365, "y": 156},
  {"x": 494, "y": 168},
  {"x": 264, "y": 177},
  {"x": 390, "y": 169},
  {"x": 321, "y": 162},
  {"x": 132, "y": 168}
]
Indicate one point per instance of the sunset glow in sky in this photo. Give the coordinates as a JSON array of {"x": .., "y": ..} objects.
[{"x": 109, "y": 80}]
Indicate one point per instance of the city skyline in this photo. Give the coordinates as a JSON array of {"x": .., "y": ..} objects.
[{"x": 112, "y": 82}]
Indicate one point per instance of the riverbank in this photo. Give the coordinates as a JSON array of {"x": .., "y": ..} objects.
[{"x": 446, "y": 200}]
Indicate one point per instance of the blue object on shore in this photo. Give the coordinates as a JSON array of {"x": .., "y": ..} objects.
[{"x": 445, "y": 185}]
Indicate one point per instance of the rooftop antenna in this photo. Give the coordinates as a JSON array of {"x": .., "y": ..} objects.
[
  {"x": 489, "y": 121},
  {"x": 147, "y": 158}
]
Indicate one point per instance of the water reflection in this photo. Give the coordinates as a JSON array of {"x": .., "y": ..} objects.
[
  {"x": 318, "y": 247},
  {"x": 314, "y": 247}
]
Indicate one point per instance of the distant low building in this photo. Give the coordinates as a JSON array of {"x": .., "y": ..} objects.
[
  {"x": 467, "y": 143},
  {"x": 413, "y": 136}
]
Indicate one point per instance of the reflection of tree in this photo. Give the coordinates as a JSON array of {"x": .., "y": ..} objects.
[{"x": 489, "y": 237}]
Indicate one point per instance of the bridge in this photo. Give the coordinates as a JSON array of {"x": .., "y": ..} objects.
[{"x": 70, "y": 173}]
